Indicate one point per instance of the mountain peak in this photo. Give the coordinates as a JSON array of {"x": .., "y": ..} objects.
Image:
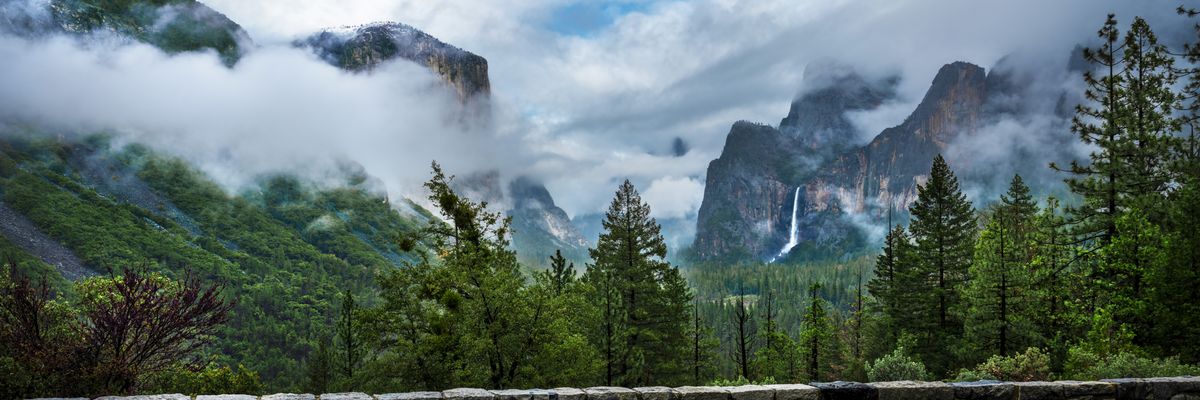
[
  {"x": 817, "y": 118},
  {"x": 362, "y": 48}
]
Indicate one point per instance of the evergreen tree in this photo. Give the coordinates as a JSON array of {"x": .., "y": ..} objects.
[
  {"x": 996, "y": 293},
  {"x": 647, "y": 301},
  {"x": 319, "y": 367},
  {"x": 350, "y": 346},
  {"x": 703, "y": 344},
  {"x": 743, "y": 323},
  {"x": 894, "y": 285},
  {"x": 818, "y": 345},
  {"x": 1053, "y": 294},
  {"x": 561, "y": 273},
  {"x": 943, "y": 227}
]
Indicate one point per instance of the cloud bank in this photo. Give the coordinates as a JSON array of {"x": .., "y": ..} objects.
[{"x": 581, "y": 112}]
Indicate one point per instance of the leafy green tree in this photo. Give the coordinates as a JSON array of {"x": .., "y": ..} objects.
[
  {"x": 468, "y": 317},
  {"x": 943, "y": 227},
  {"x": 646, "y": 300}
]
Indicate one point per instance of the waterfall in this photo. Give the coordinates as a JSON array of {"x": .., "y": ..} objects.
[{"x": 793, "y": 231}]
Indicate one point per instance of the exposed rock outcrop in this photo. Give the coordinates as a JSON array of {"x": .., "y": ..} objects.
[
  {"x": 365, "y": 47},
  {"x": 747, "y": 202}
]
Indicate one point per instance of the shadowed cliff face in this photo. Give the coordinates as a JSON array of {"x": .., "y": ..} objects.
[
  {"x": 362, "y": 48},
  {"x": 747, "y": 203}
]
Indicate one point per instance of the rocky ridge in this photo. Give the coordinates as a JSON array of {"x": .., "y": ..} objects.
[
  {"x": 365, "y": 47},
  {"x": 749, "y": 192}
]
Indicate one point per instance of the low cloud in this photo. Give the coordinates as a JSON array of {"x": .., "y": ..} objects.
[
  {"x": 581, "y": 113},
  {"x": 671, "y": 197}
]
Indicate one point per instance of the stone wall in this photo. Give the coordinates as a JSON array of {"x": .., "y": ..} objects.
[{"x": 1182, "y": 388}]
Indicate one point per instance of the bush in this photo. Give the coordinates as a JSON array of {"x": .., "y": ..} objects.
[
  {"x": 896, "y": 367},
  {"x": 1085, "y": 365},
  {"x": 1032, "y": 365},
  {"x": 211, "y": 379},
  {"x": 742, "y": 381}
]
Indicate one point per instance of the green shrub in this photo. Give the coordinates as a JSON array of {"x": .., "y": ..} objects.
[
  {"x": 897, "y": 366},
  {"x": 212, "y": 379},
  {"x": 742, "y": 381},
  {"x": 1032, "y": 365},
  {"x": 1085, "y": 365}
]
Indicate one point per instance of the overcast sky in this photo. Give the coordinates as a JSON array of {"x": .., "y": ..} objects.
[
  {"x": 607, "y": 86},
  {"x": 588, "y": 92}
]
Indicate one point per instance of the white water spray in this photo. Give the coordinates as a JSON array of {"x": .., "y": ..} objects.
[{"x": 793, "y": 231}]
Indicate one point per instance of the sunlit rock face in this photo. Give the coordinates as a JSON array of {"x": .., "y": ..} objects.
[
  {"x": 747, "y": 205},
  {"x": 364, "y": 47}
]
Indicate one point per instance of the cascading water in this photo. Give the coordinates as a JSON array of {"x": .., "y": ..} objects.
[{"x": 793, "y": 231}]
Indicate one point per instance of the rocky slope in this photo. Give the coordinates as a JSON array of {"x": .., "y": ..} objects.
[
  {"x": 749, "y": 195},
  {"x": 366, "y": 47}
]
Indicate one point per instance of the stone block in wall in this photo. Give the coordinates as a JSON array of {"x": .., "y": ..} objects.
[
  {"x": 512, "y": 394},
  {"x": 913, "y": 390},
  {"x": 467, "y": 394},
  {"x": 984, "y": 390},
  {"x": 610, "y": 393},
  {"x": 656, "y": 393},
  {"x": 289, "y": 396},
  {"x": 1180, "y": 388},
  {"x": 173, "y": 396},
  {"x": 565, "y": 393},
  {"x": 1065, "y": 390},
  {"x": 703, "y": 393},
  {"x": 226, "y": 397},
  {"x": 846, "y": 391},
  {"x": 410, "y": 396},
  {"x": 60, "y": 398},
  {"x": 751, "y": 392},
  {"x": 794, "y": 392},
  {"x": 346, "y": 396}
]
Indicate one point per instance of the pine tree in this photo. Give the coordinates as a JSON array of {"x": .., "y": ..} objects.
[
  {"x": 943, "y": 227},
  {"x": 561, "y": 273},
  {"x": 1051, "y": 273},
  {"x": 894, "y": 285},
  {"x": 996, "y": 294},
  {"x": 743, "y": 325},
  {"x": 817, "y": 340},
  {"x": 1099, "y": 125},
  {"x": 350, "y": 346},
  {"x": 703, "y": 344},
  {"x": 646, "y": 298},
  {"x": 319, "y": 367}
]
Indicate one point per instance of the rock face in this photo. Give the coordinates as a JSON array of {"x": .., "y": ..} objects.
[
  {"x": 365, "y": 47},
  {"x": 748, "y": 195},
  {"x": 748, "y": 198},
  {"x": 539, "y": 227}
]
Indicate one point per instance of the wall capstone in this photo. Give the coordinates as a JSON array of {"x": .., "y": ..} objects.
[
  {"x": 1180, "y": 388},
  {"x": 914, "y": 390}
]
